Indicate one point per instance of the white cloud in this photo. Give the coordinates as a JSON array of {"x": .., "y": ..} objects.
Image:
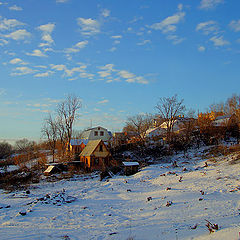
[
  {"x": 37, "y": 53},
  {"x": 113, "y": 49},
  {"x": 180, "y": 6},
  {"x": 18, "y": 61},
  {"x": 104, "y": 74},
  {"x": 86, "y": 75},
  {"x": 3, "y": 42},
  {"x": 208, "y": 27},
  {"x": 47, "y": 29},
  {"x": 116, "y": 36},
  {"x": 219, "y": 41},
  {"x": 125, "y": 74},
  {"x": 235, "y": 25},
  {"x": 68, "y": 72},
  {"x": 109, "y": 71},
  {"x": 107, "y": 67},
  {"x": 144, "y": 42},
  {"x": 77, "y": 47},
  {"x": 105, "y": 13},
  {"x": 175, "y": 39},
  {"x": 88, "y": 26},
  {"x": 103, "y": 101},
  {"x": 21, "y": 34},
  {"x": 169, "y": 23},
  {"x": 201, "y": 48},
  {"x": 208, "y": 4},
  {"x": 15, "y": 8},
  {"x": 22, "y": 71},
  {"x": 8, "y": 24},
  {"x": 45, "y": 74}
]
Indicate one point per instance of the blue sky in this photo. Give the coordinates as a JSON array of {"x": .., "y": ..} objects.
[{"x": 118, "y": 56}]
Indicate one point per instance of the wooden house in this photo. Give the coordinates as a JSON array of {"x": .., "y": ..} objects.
[{"x": 95, "y": 156}]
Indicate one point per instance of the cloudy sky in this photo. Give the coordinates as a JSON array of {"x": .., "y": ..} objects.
[{"x": 118, "y": 56}]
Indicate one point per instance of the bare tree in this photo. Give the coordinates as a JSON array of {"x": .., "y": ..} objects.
[
  {"x": 169, "y": 108},
  {"x": 24, "y": 145},
  {"x": 50, "y": 130},
  {"x": 139, "y": 124},
  {"x": 67, "y": 113}
]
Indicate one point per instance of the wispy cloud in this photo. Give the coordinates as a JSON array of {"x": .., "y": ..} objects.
[
  {"x": 22, "y": 71},
  {"x": 116, "y": 36},
  {"x": 175, "y": 39},
  {"x": 104, "y": 101},
  {"x": 208, "y": 27},
  {"x": 105, "y": 13},
  {"x": 69, "y": 72},
  {"x": 18, "y": 61},
  {"x": 144, "y": 42},
  {"x": 37, "y": 53},
  {"x": 21, "y": 34},
  {"x": 201, "y": 49},
  {"x": 235, "y": 25},
  {"x": 3, "y": 42},
  {"x": 218, "y": 41},
  {"x": 15, "y": 8},
  {"x": 113, "y": 74},
  {"x": 45, "y": 74},
  {"x": 209, "y": 4},
  {"x": 9, "y": 24},
  {"x": 47, "y": 30},
  {"x": 88, "y": 26},
  {"x": 77, "y": 47},
  {"x": 169, "y": 23}
]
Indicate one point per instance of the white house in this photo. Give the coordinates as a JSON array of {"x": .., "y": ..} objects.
[
  {"x": 96, "y": 133},
  {"x": 221, "y": 120},
  {"x": 155, "y": 132}
]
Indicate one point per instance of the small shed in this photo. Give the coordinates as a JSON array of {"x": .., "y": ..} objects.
[
  {"x": 130, "y": 168},
  {"x": 95, "y": 156}
]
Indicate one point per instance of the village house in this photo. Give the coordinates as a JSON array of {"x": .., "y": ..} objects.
[
  {"x": 95, "y": 156},
  {"x": 96, "y": 133}
]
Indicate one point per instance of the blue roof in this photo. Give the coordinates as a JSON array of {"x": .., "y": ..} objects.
[{"x": 78, "y": 141}]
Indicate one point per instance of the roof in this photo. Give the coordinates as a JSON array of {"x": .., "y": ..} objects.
[
  {"x": 222, "y": 117},
  {"x": 130, "y": 164},
  {"x": 74, "y": 142},
  {"x": 90, "y": 147}
]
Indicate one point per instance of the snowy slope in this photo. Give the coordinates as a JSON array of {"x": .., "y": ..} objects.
[{"x": 134, "y": 206}]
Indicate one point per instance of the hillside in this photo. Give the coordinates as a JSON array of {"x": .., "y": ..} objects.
[{"x": 159, "y": 202}]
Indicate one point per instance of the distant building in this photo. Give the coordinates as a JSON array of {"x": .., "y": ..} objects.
[
  {"x": 96, "y": 133},
  {"x": 95, "y": 156},
  {"x": 221, "y": 121}
]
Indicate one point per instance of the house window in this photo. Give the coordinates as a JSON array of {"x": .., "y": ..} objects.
[
  {"x": 100, "y": 148},
  {"x": 95, "y": 133},
  {"x": 101, "y": 133}
]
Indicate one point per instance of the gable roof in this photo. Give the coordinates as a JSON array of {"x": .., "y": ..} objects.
[
  {"x": 90, "y": 148},
  {"x": 74, "y": 142}
]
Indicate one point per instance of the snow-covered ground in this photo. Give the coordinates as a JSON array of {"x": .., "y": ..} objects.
[{"x": 159, "y": 202}]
